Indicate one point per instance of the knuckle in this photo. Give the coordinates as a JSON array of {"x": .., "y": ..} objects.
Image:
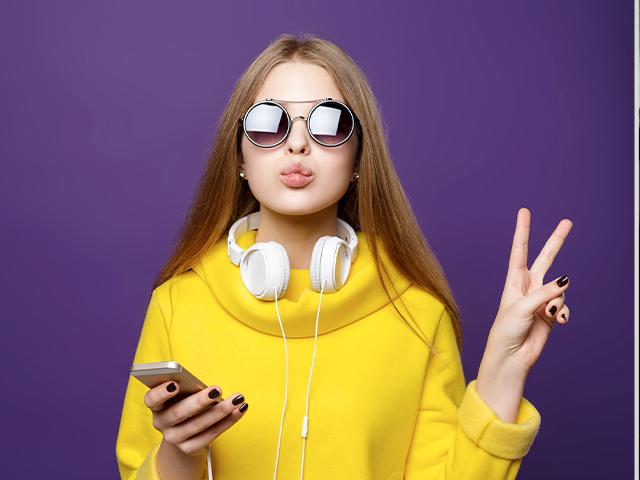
[
  {"x": 169, "y": 435},
  {"x": 186, "y": 448},
  {"x": 176, "y": 415},
  {"x": 156, "y": 422},
  {"x": 202, "y": 401},
  {"x": 237, "y": 414},
  {"x": 147, "y": 401},
  {"x": 226, "y": 407}
]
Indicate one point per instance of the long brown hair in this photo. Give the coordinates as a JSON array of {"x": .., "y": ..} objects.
[{"x": 375, "y": 204}]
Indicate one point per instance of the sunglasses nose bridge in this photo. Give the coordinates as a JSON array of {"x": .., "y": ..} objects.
[{"x": 299, "y": 117}]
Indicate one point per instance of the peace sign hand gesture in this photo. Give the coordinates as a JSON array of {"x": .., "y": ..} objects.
[{"x": 528, "y": 307}]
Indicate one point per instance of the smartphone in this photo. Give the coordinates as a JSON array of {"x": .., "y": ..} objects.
[{"x": 153, "y": 374}]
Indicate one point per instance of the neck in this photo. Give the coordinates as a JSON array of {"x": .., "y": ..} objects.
[{"x": 297, "y": 233}]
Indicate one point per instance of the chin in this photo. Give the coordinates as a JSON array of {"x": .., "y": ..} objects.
[
  {"x": 296, "y": 208},
  {"x": 294, "y": 211}
]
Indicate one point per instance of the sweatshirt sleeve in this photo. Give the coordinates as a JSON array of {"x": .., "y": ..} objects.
[
  {"x": 138, "y": 441},
  {"x": 457, "y": 435}
]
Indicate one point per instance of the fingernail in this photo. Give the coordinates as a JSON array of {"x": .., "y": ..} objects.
[
  {"x": 243, "y": 407},
  {"x": 562, "y": 281},
  {"x": 171, "y": 387},
  {"x": 553, "y": 309},
  {"x": 214, "y": 393},
  {"x": 563, "y": 316},
  {"x": 238, "y": 400},
  {"x": 215, "y": 403}
]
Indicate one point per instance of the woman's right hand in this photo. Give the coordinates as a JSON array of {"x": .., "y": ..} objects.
[{"x": 194, "y": 421}]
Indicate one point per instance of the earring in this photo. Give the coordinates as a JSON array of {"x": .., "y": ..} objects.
[
  {"x": 243, "y": 174},
  {"x": 355, "y": 176}
]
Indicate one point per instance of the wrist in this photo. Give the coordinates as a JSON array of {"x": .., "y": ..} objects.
[
  {"x": 501, "y": 387},
  {"x": 174, "y": 463},
  {"x": 502, "y": 372},
  {"x": 498, "y": 359}
]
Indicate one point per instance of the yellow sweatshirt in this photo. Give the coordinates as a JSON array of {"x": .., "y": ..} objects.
[{"x": 381, "y": 405}]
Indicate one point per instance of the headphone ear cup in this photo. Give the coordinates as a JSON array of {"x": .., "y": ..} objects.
[
  {"x": 330, "y": 261},
  {"x": 262, "y": 266},
  {"x": 282, "y": 271},
  {"x": 314, "y": 267}
]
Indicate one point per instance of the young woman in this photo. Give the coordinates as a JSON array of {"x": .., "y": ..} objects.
[{"x": 301, "y": 284}]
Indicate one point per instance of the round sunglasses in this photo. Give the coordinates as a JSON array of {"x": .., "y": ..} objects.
[{"x": 267, "y": 123}]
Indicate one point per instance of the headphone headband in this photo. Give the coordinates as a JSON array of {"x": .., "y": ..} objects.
[{"x": 252, "y": 222}]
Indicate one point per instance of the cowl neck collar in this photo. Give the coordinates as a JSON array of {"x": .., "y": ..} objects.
[{"x": 361, "y": 295}]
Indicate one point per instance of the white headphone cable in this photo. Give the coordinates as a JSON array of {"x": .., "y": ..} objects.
[
  {"x": 305, "y": 420},
  {"x": 286, "y": 382},
  {"x": 286, "y": 387},
  {"x": 209, "y": 463}
]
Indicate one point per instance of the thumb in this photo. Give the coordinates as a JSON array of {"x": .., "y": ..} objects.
[{"x": 544, "y": 294}]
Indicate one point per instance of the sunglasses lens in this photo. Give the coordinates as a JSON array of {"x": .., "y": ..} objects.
[
  {"x": 331, "y": 123},
  {"x": 266, "y": 124}
]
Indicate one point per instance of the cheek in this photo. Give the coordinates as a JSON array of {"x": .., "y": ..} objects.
[
  {"x": 335, "y": 174},
  {"x": 341, "y": 168},
  {"x": 333, "y": 180},
  {"x": 263, "y": 180}
]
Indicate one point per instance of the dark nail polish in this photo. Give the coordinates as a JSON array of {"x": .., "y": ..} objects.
[
  {"x": 553, "y": 309},
  {"x": 215, "y": 403},
  {"x": 238, "y": 400},
  {"x": 562, "y": 281},
  {"x": 214, "y": 393},
  {"x": 243, "y": 407},
  {"x": 171, "y": 387},
  {"x": 563, "y": 316}
]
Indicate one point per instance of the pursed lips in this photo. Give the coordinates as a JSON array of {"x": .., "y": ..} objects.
[
  {"x": 296, "y": 180},
  {"x": 296, "y": 168}
]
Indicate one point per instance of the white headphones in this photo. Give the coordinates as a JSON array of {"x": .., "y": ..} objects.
[{"x": 266, "y": 264}]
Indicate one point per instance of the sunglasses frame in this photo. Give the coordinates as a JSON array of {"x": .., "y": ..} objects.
[{"x": 321, "y": 101}]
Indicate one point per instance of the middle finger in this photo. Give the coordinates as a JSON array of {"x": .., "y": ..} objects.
[
  {"x": 551, "y": 248},
  {"x": 187, "y": 407},
  {"x": 205, "y": 419}
]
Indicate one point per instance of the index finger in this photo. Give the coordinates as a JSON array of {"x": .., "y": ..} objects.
[
  {"x": 518, "y": 258},
  {"x": 156, "y": 397}
]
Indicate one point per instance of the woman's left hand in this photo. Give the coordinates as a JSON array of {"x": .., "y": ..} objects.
[{"x": 528, "y": 307}]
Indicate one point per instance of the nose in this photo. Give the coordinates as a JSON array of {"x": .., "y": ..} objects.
[{"x": 298, "y": 140}]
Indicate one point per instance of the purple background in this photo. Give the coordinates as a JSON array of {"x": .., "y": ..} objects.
[{"x": 109, "y": 109}]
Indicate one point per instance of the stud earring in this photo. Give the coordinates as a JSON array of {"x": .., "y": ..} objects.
[
  {"x": 243, "y": 174},
  {"x": 355, "y": 176}
]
